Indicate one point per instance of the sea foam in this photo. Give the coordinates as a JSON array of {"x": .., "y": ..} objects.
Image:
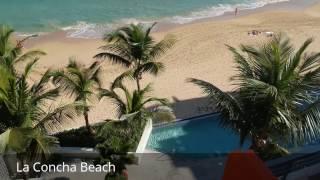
[
  {"x": 219, "y": 10},
  {"x": 89, "y": 30},
  {"x": 93, "y": 31}
]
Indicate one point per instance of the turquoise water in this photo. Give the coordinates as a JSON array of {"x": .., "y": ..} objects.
[
  {"x": 202, "y": 135},
  {"x": 90, "y": 18}
]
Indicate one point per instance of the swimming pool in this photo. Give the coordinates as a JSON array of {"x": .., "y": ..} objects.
[{"x": 199, "y": 135}]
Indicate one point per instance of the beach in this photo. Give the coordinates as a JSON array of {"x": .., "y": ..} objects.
[{"x": 200, "y": 52}]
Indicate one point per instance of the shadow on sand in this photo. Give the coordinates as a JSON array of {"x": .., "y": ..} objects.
[{"x": 192, "y": 107}]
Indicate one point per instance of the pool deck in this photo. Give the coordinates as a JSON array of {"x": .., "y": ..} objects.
[
  {"x": 309, "y": 173},
  {"x": 159, "y": 166}
]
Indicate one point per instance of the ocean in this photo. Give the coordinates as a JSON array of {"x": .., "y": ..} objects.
[{"x": 91, "y": 18}]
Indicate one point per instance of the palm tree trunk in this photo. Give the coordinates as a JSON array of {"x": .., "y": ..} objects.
[
  {"x": 254, "y": 143},
  {"x": 258, "y": 143},
  {"x": 86, "y": 118},
  {"x": 139, "y": 74},
  {"x": 138, "y": 83}
]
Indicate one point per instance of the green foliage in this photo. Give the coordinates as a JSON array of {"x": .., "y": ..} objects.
[
  {"x": 5, "y": 76},
  {"x": 133, "y": 47},
  {"x": 81, "y": 83},
  {"x": 30, "y": 106},
  {"x": 120, "y": 136},
  {"x": 275, "y": 95},
  {"x": 26, "y": 115},
  {"x": 135, "y": 102},
  {"x": 114, "y": 130},
  {"x": 113, "y": 140},
  {"x": 116, "y": 139},
  {"x": 26, "y": 107},
  {"x": 78, "y": 137},
  {"x": 30, "y": 144},
  {"x": 10, "y": 53}
]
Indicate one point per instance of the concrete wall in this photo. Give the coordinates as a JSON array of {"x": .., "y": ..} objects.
[{"x": 145, "y": 137}]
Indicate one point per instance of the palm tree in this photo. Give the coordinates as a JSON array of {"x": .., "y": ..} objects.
[
  {"x": 11, "y": 54},
  {"x": 133, "y": 104},
  {"x": 5, "y": 76},
  {"x": 81, "y": 82},
  {"x": 275, "y": 99},
  {"x": 133, "y": 47},
  {"x": 27, "y": 114}
]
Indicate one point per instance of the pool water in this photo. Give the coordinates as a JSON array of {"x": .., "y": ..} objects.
[{"x": 200, "y": 135}]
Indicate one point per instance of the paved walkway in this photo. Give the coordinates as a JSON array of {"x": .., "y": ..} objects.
[
  {"x": 309, "y": 173},
  {"x": 4, "y": 175},
  {"x": 158, "y": 166}
]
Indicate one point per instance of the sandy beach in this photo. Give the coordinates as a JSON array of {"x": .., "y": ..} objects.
[{"x": 200, "y": 53}]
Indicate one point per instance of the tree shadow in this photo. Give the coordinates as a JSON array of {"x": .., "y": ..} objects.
[{"x": 192, "y": 107}]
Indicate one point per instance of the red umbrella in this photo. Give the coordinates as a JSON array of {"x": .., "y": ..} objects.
[{"x": 246, "y": 166}]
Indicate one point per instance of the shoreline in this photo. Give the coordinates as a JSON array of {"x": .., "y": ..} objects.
[
  {"x": 290, "y": 5},
  {"x": 199, "y": 53},
  {"x": 162, "y": 26}
]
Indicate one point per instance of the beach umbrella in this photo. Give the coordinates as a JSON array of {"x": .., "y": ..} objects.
[{"x": 246, "y": 166}]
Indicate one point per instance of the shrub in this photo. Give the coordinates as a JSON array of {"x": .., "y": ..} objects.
[
  {"x": 115, "y": 139},
  {"x": 78, "y": 137}
]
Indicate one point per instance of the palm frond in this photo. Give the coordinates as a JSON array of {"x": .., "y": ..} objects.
[
  {"x": 114, "y": 58},
  {"x": 5, "y": 77},
  {"x": 44, "y": 143},
  {"x": 5, "y": 33},
  {"x": 225, "y": 102},
  {"x": 243, "y": 66},
  {"x": 42, "y": 83},
  {"x": 294, "y": 62},
  {"x": 120, "y": 105},
  {"x": 146, "y": 90},
  {"x": 162, "y": 101},
  {"x": 73, "y": 64},
  {"x": 30, "y": 55},
  {"x": 151, "y": 67},
  {"x": 120, "y": 34},
  {"x": 55, "y": 116},
  {"x": 255, "y": 88},
  {"x": 311, "y": 124},
  {"x": 96, "y": 77},
  {"x": 65, "y": 82},
  {"x": 150, "y": 28},
  {"x": 29, "y": 67},
  {"x": 15, "y": 139},
  {"x": 118, "y": 81},
  {"x": 310, "y": 62},
  {"x": 163, "y": 46},
  {"x": 162, "y": 114},
  {"x": 48, "y": 95}
]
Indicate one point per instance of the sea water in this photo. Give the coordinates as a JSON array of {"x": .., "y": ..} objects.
[{"x": 91, "y": 18}]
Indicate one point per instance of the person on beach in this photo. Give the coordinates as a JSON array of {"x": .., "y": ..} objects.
[{"x": 236, "y": 12}]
